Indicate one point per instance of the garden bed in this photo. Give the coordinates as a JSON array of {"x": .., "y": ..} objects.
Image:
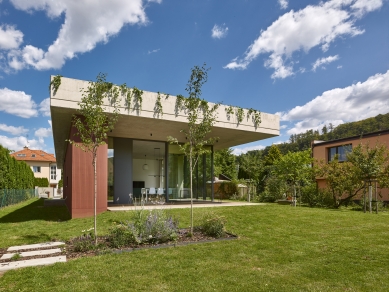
[{"x": 104, "y": 247}]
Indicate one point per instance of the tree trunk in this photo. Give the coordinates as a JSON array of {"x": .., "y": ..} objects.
[
  {"x": 95, "y": 192},
  {"x": 191, "y": 192}
]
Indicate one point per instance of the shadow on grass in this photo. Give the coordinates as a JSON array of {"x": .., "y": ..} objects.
[{"x": 36, "y": 211}]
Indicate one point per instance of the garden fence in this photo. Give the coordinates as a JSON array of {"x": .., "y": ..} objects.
[{"x": 10, "y": 197}]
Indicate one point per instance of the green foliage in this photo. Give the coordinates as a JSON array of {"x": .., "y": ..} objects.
[
  {"x": 154, "y": 226},
  {"x": 224, "y": 163},
  {"x": 17, "y": 256},
  {"x": 255, "y": 116},
  {"x": 55, "y": 83},
  {"x": 227, "y": 190},
  {"x": 158, "y": 105},
  {"x": 370, "y": 162},
  {"x": 239, "y": 114},
  {"x": 84, "y": 243},
  {"x": 41, "y": 182},
  {"x": 212, "y": 224},
  {"x": 60, "y": 183},
  {"x": 273, "y": 155},
  {"x": 14, "y": 174},
  {"x": 274, "y": 190},
  {"x": 229, "y": 110},
  {"x": 179, "y": 103},
  {"x": 201, "y": 117},
  {"x": 138, "y": 97}
]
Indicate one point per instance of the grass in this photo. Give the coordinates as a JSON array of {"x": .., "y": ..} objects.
[{"x": 280, "y": 249}]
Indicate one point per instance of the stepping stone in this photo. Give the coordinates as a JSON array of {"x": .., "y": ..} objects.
[
  {"x": 38, "y": 245},
  {"x": 31, "y": 253},
  {"x": 31, "y": 263}
]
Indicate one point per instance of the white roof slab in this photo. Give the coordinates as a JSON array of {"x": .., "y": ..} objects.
[{"x": 147, "y": 125}]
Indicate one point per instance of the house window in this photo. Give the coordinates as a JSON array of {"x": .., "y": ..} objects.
[
  {"x": 21, "y": 155},
  {"x": 36, "y": 169},
  {"x": 340, "y": 151},
  {"x": 53, "y": 172},
  {"x": 32, "y": 155}
]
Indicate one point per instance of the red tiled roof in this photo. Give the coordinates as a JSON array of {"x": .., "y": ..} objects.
[{"x": 33, "y": 155}]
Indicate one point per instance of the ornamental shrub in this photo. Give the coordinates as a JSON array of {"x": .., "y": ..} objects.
[{"x": 212, "y": 225}]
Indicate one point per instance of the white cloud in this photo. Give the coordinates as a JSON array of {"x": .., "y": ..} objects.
[
  {"x": 44, "y": 132},
  {"x": 352, "y": 103},
  {"x": 17, "y": 143},
  {"x": 283, "y": 4},
  {"x": 219, "y": 31},
  {"x": 86, "y": 24},
  {"x": 239, "y": 151},
  {"x": 17, "y": 103},
  {"x": 44, "y": 107},
  {"x": 339, "y": 67},
  {"x": 324, "y": 61},
  {"x": 153, "y": 51},
  {"x": 10, "y": 38},
  {"x": 315, "y": 25},
  {"x": 13, "y": 130}
]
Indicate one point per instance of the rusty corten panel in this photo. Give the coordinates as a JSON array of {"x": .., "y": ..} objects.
[{"x": 80, "y": 173}]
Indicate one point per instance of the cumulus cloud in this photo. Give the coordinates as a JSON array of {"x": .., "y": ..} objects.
[
  {"x": 10, "y": 38},
  {"x": 13, "y": 130},
  {"x": 17, "y": 143},
  {"x": 283, "y": 4},
  {"x": 86, "y": 25},
  {"x": 324, "y": 61},
  {"x": 219, "y": 31},
  {"x": 239, "y": 151},
  {"x": 315, "y": 25},
  {"x": 44, "y": 132},
  {"x": 17, "y": 103},
  {"x": 352, "y": 103},
  {"x": 44, "y": 107}
]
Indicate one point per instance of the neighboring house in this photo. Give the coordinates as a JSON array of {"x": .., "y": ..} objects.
[
  {"x": 137, "y": 156},
  {"x": 42, "y": 164},
  {"x": 326, "y": 150}
]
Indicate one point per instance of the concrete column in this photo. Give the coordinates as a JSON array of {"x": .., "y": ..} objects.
[{"x": 123, "y": 156}]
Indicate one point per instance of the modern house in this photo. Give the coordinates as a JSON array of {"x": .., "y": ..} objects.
[
  {"x": 42, "y": 164},
  {"x": 137, "y": 157},
  {"x": 326, "y": 151}
]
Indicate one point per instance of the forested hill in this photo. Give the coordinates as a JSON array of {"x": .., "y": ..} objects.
[{"x": 299, "y": 142}]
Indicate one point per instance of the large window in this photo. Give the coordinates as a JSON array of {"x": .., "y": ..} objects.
[
  {"x": 340, "y": 152},
  {"x": 53, "y": 172}
]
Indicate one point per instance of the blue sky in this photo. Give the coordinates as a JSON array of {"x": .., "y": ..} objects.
[{"x": 311, "y": 62}]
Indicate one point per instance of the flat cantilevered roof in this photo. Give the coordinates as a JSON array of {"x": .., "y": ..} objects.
[{"x": 147, "y": 124}]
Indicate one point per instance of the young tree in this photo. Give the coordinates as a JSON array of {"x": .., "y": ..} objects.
[
  {"x": 295, "y": 169},
  {"x": 343, "y": 180},
  {"x": 93, "y": 123},
  {"x": 201, "y": 117},
  {"x": 371, "y": 165}
]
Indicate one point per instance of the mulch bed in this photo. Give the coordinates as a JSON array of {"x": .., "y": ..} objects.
[{"x": 104, "y": 247}]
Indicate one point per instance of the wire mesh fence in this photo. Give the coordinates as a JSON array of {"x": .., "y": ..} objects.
[{"x": 11, "y": 197}]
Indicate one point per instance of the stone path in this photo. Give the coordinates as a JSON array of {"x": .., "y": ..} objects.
[{"x": 46, "y": 249}]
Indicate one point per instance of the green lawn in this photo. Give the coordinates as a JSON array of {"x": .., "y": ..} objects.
[{"x": 280, "y": 249}]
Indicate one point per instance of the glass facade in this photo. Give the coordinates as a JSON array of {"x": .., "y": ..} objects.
[
  {"x": 179, "y": 176},
  {"x": 161, "y": 168}
]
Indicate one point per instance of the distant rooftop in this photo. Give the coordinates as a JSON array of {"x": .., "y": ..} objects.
[{"x": 33, "y": 155}]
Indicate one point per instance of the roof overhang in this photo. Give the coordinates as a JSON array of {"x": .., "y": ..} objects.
[{"x": 148, "y": 125}]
